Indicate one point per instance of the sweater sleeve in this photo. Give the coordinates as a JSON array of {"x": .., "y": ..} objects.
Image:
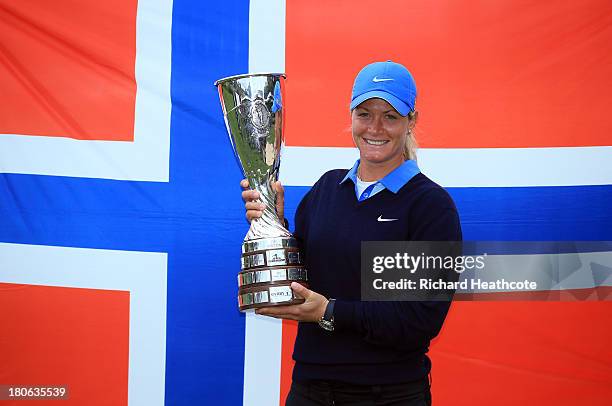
[{"x": 402, "y": 324}]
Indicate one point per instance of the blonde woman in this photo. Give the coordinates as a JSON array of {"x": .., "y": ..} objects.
[{"x": 350, "y": 352}]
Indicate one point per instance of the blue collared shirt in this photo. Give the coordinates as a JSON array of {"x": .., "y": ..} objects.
[{"x": 393, "y": 181}]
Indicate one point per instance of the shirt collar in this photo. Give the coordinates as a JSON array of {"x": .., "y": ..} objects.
[
  {"x": 351, "y": 174},
  {"x": 394, "y": 180}
]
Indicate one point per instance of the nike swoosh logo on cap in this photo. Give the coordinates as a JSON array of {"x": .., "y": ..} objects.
[
  {"x": 377, "y": 79},
  {"x": 380, "y": 218}
]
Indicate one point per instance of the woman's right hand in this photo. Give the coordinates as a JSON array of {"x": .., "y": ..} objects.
[{"x": 254, "y": 208}]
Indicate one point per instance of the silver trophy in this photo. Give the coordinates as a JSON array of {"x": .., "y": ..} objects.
[{"x": 253, "y": 111}]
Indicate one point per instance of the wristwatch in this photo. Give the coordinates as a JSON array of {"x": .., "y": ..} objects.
[{"x": 327, "y": 321}]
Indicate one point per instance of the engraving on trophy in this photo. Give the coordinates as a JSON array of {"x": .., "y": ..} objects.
[
  {"x": 293, "y": 257},
  {"x": 280, "y": 294},
  {"x": 276, "y": 257},
  {"x": 296, "y": 274},
  {"x": 260, "y": 116},
  {"x": 279, "y": 274}
]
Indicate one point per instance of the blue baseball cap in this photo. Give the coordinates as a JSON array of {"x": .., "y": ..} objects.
[{"x": 389, "y": 81}]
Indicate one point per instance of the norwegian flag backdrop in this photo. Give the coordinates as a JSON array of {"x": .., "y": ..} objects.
[{"x": 121, "y": 220}]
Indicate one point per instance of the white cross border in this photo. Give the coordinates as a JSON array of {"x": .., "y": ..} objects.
[
  {"x": 143, "y": 274},
  {"x": 144, "y": 159}
]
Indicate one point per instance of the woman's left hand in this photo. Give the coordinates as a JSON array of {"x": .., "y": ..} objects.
[{"x": 311, "y": 310}]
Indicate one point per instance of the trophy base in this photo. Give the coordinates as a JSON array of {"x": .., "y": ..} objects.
[
  {"x": 269, "y": 266},
  {"x": 268, "y": 296}
]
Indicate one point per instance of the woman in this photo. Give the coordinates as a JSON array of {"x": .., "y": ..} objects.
[{"x": 348, "y": 351}]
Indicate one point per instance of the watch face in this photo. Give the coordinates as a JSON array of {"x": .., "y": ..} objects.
[{"x": 326, "y": 325}]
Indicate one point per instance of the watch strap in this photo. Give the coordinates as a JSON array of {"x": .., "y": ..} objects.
[
  {"x": 329, "y": 310},
  {"x": 327, "y": 320}
]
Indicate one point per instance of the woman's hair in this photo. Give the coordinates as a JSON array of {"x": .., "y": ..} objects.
[{"x": 410, "y": 147}]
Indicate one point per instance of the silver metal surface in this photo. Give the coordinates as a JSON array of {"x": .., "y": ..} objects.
[
  {"x": 296, "y": 274},
  {"x": 294, "y": 258},
  {"x": 251, "y": 277},
  {"x": 253, "y": 110},
  {"x": 253, "y": 261},
  {"x": 268, "y": 243},
  {"x": 272, "y": 294},
  {"x": 272, "y": 275},
  {"x": 254, "y": 116},
  {"x": 271, "y": 258},
  {"x": 279, "y": 294}
]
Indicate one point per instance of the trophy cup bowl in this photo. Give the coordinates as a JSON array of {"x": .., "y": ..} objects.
[{"x": 253, "y": 110}]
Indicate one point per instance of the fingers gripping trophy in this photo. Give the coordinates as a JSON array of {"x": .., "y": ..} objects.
[{"x": 253, "y": 110}]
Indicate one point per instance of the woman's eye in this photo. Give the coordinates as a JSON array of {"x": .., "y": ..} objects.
[
  {"x": 362, "y": 114},
  {"x": 391, "y": 117}
]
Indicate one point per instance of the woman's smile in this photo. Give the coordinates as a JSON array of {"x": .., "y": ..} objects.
[{"x": 375, "y": 142}]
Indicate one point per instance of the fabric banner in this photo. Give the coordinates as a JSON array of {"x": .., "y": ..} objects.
[{"x": 120, "y": 212}]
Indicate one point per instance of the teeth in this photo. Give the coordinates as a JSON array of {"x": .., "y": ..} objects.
[{"x": 372, "y": 142}]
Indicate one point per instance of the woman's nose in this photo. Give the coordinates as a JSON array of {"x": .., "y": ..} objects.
[{"x": 376, "y": 125}]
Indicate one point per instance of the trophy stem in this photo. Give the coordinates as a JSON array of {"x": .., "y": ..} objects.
[{"x": 269, "y": 224}]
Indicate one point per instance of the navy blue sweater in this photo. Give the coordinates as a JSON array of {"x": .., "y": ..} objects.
[{"x": 374, "y": 342}]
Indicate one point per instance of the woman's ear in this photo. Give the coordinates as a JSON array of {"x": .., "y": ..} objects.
[{"x": 413, "y": 118}]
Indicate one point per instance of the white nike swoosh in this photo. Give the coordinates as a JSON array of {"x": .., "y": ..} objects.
[
  {"x": 375, "y": 79},
  {"x": 380, "y": 218}
]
